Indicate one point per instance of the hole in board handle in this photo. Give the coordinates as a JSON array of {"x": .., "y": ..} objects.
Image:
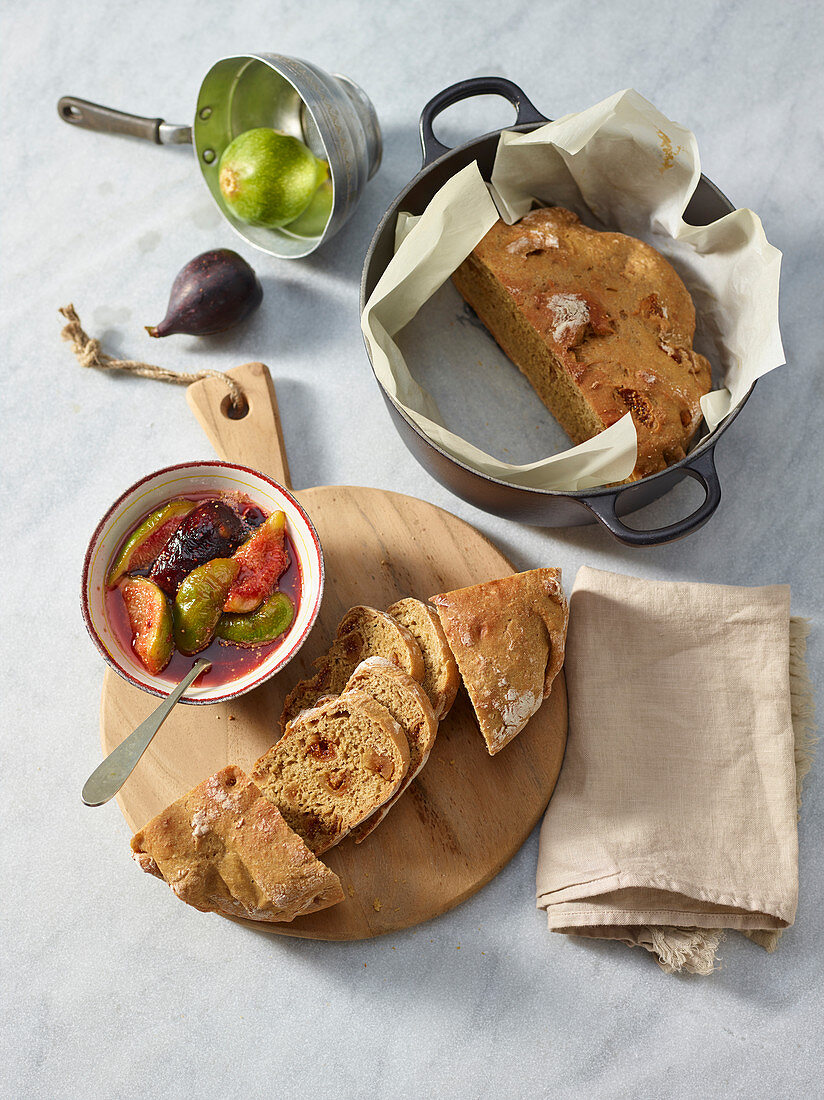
[{"x": 232, "y": 411}]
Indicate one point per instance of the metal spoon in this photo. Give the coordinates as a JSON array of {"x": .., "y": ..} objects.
[{"x": 108, "y": 777}]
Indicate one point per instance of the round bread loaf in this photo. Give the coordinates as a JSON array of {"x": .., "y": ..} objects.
[{"x": 600, "y": 324}]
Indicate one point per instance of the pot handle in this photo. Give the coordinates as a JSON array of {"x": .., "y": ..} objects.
[
  {"x": 92, "y": 116},
  {"x": 466, "y": 89},
  {"x": 701, "y": 469}
]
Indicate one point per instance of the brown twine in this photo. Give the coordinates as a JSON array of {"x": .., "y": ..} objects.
[{"x": 90, "y": 354}]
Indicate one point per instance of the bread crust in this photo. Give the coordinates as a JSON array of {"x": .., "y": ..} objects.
[
  {"x": 222, "y": 848},
  {"x": 508, "y": 637},
  {"x": 599, "y": 323}
]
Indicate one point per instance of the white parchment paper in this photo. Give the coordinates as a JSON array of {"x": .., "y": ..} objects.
[{"x": 619, "y": 165}]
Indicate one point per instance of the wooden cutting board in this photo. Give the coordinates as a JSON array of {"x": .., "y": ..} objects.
[{"x": 467, "y": 814}]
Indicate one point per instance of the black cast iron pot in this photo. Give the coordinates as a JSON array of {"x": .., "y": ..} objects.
[{"x": 541, "y": 507}]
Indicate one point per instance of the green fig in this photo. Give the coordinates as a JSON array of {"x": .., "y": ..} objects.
[
  {"x": 271, "y": 619},
  {"x": 268, "y": 178},
  {"x": 199, "y": 603},
  {"x": 150, "y": 618},
  {"x": 144, "y": 545}
]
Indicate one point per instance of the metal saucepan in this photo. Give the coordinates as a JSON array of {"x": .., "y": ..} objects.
[
  {"x": 541, "y": 507},
  {"x": 330, "y": 114}
]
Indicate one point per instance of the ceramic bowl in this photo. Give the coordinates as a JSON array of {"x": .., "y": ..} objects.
[{"x": 152, "y": 492}]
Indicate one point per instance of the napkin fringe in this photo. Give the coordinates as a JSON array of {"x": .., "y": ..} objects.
[{"x": 677, "y": 949}]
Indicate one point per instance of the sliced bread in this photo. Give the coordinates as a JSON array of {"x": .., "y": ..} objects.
[
  {"x": 409, "y": 705},
  {"x": 334, "y": 766},
  {"x": 363, "y": 632},
  {"x": 224, "y": 849},
  {"x": 508, "y": 637},
  {"x": 440, "y": 677}
]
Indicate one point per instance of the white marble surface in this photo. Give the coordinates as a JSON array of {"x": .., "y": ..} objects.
[{"x": 112, "y": 988}]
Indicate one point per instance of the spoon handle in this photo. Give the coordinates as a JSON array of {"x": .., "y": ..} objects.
[{"x": 109, "y": 776}]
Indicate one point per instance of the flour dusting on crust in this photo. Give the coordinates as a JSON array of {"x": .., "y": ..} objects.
[
  {"x": 518, "y": 708},
  {"x": 569, "y": 314},
  {"x": 535, "y": 240}
]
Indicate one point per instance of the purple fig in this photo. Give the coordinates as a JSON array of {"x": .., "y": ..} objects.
[
  {"x": 213, "y": 530},
  {"x": 212, "y": 292}
]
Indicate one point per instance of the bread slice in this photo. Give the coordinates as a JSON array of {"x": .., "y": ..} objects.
[
  {"x": 508, "y": 637},
  {"x": 363, "y": 632},
  {"x": 334, "y": 766},
  {"x": 224, "y": 849},
  {"x": 599, "y": 323},
  {"x": 409, "y": 705},
  {"x": 440, "y": 677}
]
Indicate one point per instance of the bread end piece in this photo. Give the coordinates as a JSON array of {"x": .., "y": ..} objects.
[
  {"x": 508, "y": 637},
  {"x": 223, "y": 848}
]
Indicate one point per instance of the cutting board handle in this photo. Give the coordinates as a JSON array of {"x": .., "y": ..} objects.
[{"x": 253, "y": 439}]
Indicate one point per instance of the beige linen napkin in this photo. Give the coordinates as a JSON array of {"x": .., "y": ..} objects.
[{"x": 675, "y": 813}]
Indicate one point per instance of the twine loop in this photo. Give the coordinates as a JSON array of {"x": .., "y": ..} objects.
[{"x": 89, "y": 353}]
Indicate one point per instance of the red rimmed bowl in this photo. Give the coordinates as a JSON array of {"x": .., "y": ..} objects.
[{"x": 151, "y": 492}]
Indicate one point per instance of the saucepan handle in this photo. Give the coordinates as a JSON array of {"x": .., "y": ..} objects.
[
  {"x": 466, "y": 89},
  {"x": 93, "y": 116},
  {"x": 701, "y": 469}
]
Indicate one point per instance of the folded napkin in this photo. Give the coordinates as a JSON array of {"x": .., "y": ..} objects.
[{"x": 675, "y": 813}]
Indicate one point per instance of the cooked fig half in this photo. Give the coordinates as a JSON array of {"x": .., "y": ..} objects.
[
  {"x": 150, "y": 618},
  {"x": 199, "y": 603},
  {"x": 145, "y": 543},
  {"x": 263, "y": 559},
  {"x": 212, "y": 530},
  {"x": 271, "y": 619}
]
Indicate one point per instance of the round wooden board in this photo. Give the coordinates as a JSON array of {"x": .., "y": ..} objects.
[{"x": 465, "y": 815}]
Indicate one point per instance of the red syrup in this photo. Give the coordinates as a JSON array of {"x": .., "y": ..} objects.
[{"x": 228, "y": 661}]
